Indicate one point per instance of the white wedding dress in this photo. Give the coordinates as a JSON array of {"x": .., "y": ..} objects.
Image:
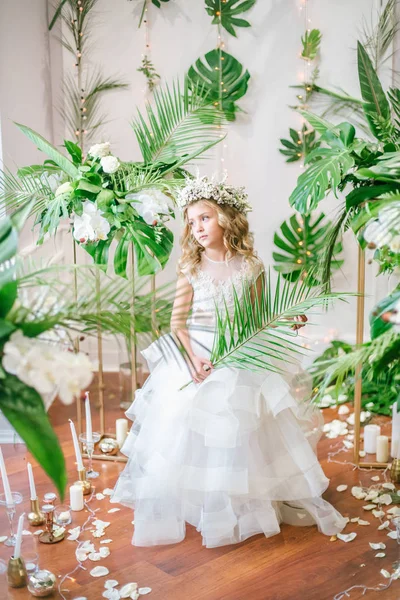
[{"x": 233, "y": 456}]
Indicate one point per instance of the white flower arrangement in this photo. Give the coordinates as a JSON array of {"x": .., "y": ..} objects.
[
  {"x": 46, "y": 368},
  {"x": 150, "y": 204},
  {"x": 202, "y": 188},
  {"x": 90, "y": 226},
  {"x": 100, "y": 150},
  {"x": 110, "y": 164}
]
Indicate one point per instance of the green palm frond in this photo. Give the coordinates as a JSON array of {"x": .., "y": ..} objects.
[
  {"x": 258, "y": 336},
  {"x": 95, "y": 86},
  {"x": 183, "y": 122},
  {"x": 377, "y": 37},
  {"x": 301, "y": 243},
  {"x": 374, "y": 356},
  {"x": 311, "y": 42},
  {"x": 17, "y": 191},
  {"x": 223, "y": 79},
  {"x": 225, "y": 13}
]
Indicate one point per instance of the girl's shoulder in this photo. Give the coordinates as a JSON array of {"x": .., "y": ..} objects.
[{"x": 254, "y": 266}]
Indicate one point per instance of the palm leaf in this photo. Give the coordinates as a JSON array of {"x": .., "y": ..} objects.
[
  {"x": 183, "y": 122},
  {"x": 62, "y": 161},
  {"x": 223, "y": 79},
  {"x": 378, "y": 37},
  {"x": 376, "y": 107},
  {"x": 301, "y": 243},
  {"x": 225, "y": 13}
]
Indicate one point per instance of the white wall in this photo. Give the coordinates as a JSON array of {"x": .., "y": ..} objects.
[{"x": 181, "y": 32}]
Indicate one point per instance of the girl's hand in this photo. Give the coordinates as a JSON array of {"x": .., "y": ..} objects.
[
  {"x": 200, "y": 368},
  {"x": 301, "y": 320}
]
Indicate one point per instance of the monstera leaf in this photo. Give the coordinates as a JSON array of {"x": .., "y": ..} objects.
[
  {"x": 301, "y": 242},
  {"x": 226, "y": 13},
  {"x": 222, "y": 78},
  {"x": 301, "y": 144}
]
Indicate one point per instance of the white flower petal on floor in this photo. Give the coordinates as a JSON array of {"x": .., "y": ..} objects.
[
  {"x": 384, "y": 525},
  {"x": 104, "y": 552},
  {"x": 111, "y": 594},
  {"x": 377, "y": 546},
  {"x": 385, "y": 573},
  {"x": 108, "y": 492},
  {"x": 3, "y": 538},
  {"x": 375, "y": 478},
  {"x": 346, "y": 537},
  {"x": 369, "y": 507},
  {"x": 99, "y": 571},
  {"x": 144, "y": 590},
  {"x": 127, "y": 590},
  {"x": 341, "y": 488},
  {"x": 392, "y": 535},
  {"x": 389, "y": 486},
  {"x": 380, "y": 555},
  {"x": 113, "y": 510},
  {"x": 361, "y": 522},
  {"x": 110, "y": 583},
  {"x": 385, "y": 499},
  {"x": 378, "y": 513},
  {"x": 105, "y": 541},
  {"x": 100, "y": 496}
]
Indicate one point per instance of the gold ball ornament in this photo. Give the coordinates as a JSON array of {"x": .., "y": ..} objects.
[
  {"x": 109, "y": 446},
  {"x": 42, "y": 583}
]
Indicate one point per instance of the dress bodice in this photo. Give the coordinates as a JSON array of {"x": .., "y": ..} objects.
[{"x": 213, "y": 283}]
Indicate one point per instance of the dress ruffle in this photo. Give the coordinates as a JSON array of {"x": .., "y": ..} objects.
[{"x": 233, "y": 456}]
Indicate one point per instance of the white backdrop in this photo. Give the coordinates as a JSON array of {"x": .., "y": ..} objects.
[{"x": 32, "y": 66}]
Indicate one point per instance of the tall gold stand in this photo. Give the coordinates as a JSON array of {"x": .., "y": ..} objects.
[{"x": 358, "y": 375}]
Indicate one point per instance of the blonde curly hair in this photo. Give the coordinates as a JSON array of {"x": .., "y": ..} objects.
[{"x": 237, "y": 237}]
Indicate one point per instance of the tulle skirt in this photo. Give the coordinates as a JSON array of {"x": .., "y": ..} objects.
[{"x": 233, "y": 456}]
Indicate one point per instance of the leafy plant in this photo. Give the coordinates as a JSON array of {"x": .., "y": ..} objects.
[
  {"x": 311, "y": 42},
  {"x": 301, "y": 243},
  {"x": 301, "y": 144},
  {"x": 149, "y": 71},
  {"x": 225, "y": 13},
  {"x": 222, "y": 79}
]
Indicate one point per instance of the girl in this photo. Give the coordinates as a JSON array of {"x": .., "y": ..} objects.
[{"x": 233, "y": 454}]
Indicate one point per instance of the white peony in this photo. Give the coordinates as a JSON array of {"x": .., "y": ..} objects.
[
  {"x": 46, "y": 368},
  {"x": 90, "y": 226},
  {"x": 110, "y": 164},
  {"x": 150, "y": 204},
  {"x": 65, "y": 188},
  {"x": 100, "y": 150}
]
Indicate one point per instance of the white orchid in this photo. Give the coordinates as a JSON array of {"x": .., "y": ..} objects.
[
  {"x": 150, "y": 204},
  {"x": 376, "y": 234},
  {"x": 100, "y": 150},
  {"x": 395, "y": 244},
  {"x": 91, "y": 226},
  {"x": 110, "y": 164},
  {"x": 47, "y": 368}
]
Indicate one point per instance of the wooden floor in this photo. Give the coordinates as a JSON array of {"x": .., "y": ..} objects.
[{"x": 297, "y": 564}]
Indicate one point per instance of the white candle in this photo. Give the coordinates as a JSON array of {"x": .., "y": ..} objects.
[
  {"x": 76, "y": 446},
  {"x": 6, "y": 485},
  {"x": 89, "y": 436},
  {"x": 395, "y": 430},
  {"x": 17, "y": 550},
  {"x": 371, "y": 432},
  {"x": 121, "y": 430},
  {"x": 31, "y": 482},
  {"x": 76, "y": 497},
  {"x": 382, "y": 448}
]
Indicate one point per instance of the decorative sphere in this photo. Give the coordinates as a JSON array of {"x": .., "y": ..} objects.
[
  {"x": 42, "y": 583},
  {"x": 109, "y": 446}
]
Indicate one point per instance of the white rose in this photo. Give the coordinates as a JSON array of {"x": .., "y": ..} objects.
[
  {"x": 110, "y": 164},
  {"x": 65, "y": 188},
  {"x": 100, "y": 150}
]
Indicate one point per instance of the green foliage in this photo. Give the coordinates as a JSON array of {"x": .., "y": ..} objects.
[
  {"x": 311, "y": 42},
  {"x": 223, "y": 80},
  {"x": 302, "y": 143},
  {"x": 301, "y": 243},
  {"x": 149, "y": 71},
  {"x": 225, "y": 13}
]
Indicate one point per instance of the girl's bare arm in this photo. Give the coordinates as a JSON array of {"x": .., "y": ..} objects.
[{"x": 180, "y": 313}]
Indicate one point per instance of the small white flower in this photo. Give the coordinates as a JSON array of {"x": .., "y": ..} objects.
[
  {"x": 150, "y": 204},
  {"x": 110, "y": 164},
  {"x": 100, "y": 150},
  {"x": 65, "y": 188}
]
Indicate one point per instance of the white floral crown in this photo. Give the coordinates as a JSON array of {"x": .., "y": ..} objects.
[{"x": 202, "y": 188}]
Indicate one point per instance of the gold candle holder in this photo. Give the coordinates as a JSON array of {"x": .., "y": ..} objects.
[
  {"x": 395, "y": 471},
  {"x": 16, "y": 573},
  {"x": 86, "y": 485},
  {"x": 36, "y": 517},
  {"x": 48, "y": 536}
]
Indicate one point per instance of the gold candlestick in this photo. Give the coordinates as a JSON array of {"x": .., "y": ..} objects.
[
  {"x": 35, "y": 517},
  {"x": 395, "y": 471},
  {"x": 16, "y": 573},
  {"x": 47, "y": 536},
  {"x": 86, "y": 485}
]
